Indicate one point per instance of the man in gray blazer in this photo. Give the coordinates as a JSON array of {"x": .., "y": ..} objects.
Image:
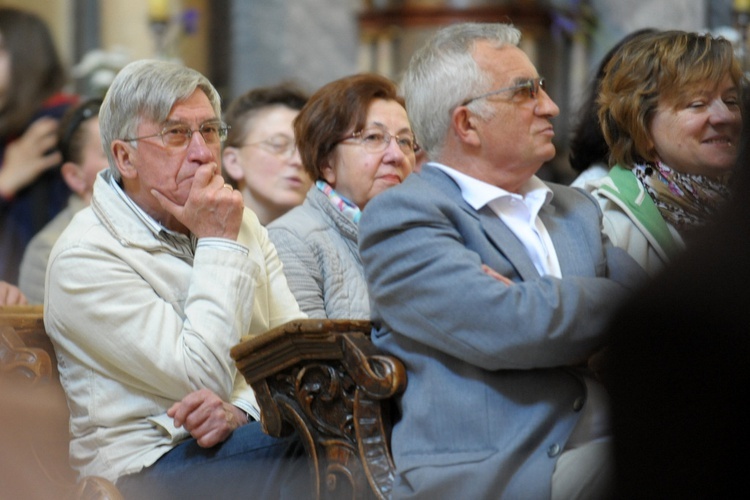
[{"x": 492, "y": 286}]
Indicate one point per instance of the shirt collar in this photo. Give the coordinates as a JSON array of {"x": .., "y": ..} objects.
[
  {"x": 154, "y": 226},
  {"x": 479, "y": 193}
]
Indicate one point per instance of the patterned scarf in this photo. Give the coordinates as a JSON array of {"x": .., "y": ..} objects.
[
  {"x": 685, "y": 201},
  {"x": 346, "y": 207}
]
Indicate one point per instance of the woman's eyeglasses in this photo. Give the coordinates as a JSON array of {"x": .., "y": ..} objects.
[{"x": 377, "y": 140}]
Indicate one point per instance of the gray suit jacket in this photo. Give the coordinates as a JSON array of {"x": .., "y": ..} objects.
[{"x": 494, "y": 372}]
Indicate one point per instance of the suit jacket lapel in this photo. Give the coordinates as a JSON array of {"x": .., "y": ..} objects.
[
  {"x": 507, "y": 243},
  {"x": 498, "y": 234},
  {"x": 566, "y": 238}
]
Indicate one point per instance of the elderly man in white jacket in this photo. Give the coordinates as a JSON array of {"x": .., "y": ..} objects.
[{"x": 147, "y": 291}]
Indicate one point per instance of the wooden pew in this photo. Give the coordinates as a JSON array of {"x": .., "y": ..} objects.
[
  {"x": 325, "y": 380},
  {"x": 34, "y": 416}
]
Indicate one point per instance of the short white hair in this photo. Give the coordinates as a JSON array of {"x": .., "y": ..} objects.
[{"x": 443, "y": 73}]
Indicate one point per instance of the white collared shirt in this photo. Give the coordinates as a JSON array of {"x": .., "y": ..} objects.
[{"x": 518, "y": 211}]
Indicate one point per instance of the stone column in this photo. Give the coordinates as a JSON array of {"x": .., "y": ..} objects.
[{"x": 308, "y": 41}]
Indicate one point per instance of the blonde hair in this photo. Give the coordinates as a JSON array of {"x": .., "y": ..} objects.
[{"x": 651, "y": 69}]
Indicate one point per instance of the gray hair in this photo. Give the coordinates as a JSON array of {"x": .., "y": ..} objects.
[
  {"x": 443, "y": 73},
  {"x": 147, "y": 90}
]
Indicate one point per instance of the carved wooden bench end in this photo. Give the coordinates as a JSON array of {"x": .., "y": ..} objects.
[{"x": 326, "y": 380}]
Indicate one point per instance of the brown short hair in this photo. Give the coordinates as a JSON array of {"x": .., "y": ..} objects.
[
  {"x": 243, "y": 109},
  {"x": 332, "y": 111},
  {"x": 652, "y": 69}
]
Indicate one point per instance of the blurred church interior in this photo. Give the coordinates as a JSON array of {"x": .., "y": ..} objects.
[{"x": 240, "y": 44}]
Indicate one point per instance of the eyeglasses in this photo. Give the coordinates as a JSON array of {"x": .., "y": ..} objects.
[
  {"x": 280, "y": 145},
  {"x": 178, "y": 135},
  {"x": 530, "y": 86},
  {"x": 376, "y": 140}
]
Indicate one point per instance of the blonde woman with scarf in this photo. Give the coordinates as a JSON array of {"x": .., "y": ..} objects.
[{"x": 669, "y": 105}]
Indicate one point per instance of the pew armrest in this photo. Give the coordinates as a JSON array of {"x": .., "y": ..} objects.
[{"x": 325, "y": 380}]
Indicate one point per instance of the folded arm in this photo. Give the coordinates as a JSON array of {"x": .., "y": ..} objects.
[{"x": 425, "y": 276}]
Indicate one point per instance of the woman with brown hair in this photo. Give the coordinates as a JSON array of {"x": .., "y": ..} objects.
[
  {"x": 589, "y": 152},
  {"x": 355, "y": 141},
  {"x": 669, "y": 105},
  {"x": 32, "y": 77}
]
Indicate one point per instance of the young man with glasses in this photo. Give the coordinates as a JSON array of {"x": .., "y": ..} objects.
[
  {"x": 491, "y": 285},
  {"x": 150, "y": 287}
]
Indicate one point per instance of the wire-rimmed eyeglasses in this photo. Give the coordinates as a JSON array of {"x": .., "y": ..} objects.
[
  {"x": 179, "y": 134},
  {"x": 376, "y": 140},
  {"x": 531, "y": 86},
  {"x": 281, "y": 145}
]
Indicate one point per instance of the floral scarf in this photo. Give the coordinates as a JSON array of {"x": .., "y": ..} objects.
[
  {"x": 346, "y": 207},
  {"x": 685, "y": 201}
]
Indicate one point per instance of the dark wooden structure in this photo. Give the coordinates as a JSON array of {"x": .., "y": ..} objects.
[
  {"x": 34, "y": 416},
  {"x": 325, "y": 380}
]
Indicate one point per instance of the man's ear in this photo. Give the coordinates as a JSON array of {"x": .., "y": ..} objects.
[
  {"x": 464, "y": 124},
  {"x": 231, "y": 163},
  {"x": 124, "y": 155},
  {"x": 73, "y": 176}
]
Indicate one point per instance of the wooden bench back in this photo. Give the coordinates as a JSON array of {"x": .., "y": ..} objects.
[
  {"x": 25, "y": 349},
  {"x": 34, "y": 436}
]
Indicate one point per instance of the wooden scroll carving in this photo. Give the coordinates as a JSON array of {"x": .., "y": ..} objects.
[{"x": 326, "y": 380}]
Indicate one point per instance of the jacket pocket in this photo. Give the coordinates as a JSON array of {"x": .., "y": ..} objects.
[{"x": 165, "y": 424}]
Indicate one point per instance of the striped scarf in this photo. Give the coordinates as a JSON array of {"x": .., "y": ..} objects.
[{"x": 346, "y": 207}]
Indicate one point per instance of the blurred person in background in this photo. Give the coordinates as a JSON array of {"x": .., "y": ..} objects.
[
  {"x": 260, "y": 157},
  {"x": 83, "y": 157},
  {"x": 11, "y": 295},
  {"x": 32, "y": 101}
]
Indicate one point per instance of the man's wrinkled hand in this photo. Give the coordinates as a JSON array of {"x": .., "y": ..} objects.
[
  {"x": 206, "y": 417},
  {"x": 212, "y": 209}
]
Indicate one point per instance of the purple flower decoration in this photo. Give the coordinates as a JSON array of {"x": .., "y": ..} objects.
[{"x": 190, "y": 18}]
